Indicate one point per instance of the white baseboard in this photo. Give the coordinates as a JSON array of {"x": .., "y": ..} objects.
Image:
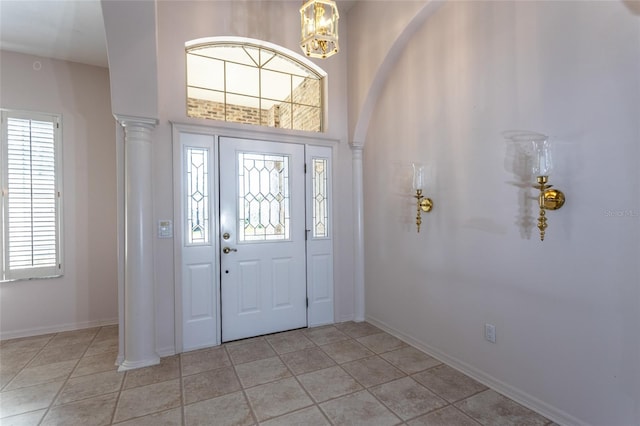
[
  {"x": 168, "y": 351},
  {"x": 36, "y": 331},
  {"x": 541, "y": 407},
  {"x": 345, "y": 319}
]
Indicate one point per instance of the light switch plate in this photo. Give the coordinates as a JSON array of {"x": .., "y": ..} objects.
[{"x": 165, "y": 229}]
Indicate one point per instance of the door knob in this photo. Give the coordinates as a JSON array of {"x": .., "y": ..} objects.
[{"x": 228, "y": 250}]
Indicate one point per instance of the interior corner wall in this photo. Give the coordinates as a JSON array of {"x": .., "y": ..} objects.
[
  {"x": 87, "y": 293},
  {"x": 566, "y": 310},
  {"x": 364, "y": 64}
]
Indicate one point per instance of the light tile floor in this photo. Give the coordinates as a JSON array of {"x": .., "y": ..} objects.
[{"x": 347, "y": 374}]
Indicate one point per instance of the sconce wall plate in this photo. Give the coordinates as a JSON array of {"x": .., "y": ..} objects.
[
  {"x": 426, "y": 204},
  {"x": 552, "y": 199}
]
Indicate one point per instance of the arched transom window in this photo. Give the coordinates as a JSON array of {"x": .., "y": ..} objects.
[{"x": 252, "y": 82}]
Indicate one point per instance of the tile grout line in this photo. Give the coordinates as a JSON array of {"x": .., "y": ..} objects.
[
  {"x": 340, "y": 365},
  {"x": 115, "y": 406},
  {"x": 315, "y": 346},
  {"x": 244, "y": 394},
  {"x": 51, "y": 405},
  {"x": 295, "y": 376},
  {"x": 180, "y": 375},
  {"x": 409, "y": 375},
  {"x": 20, "y": 370},
  {"x": 57, "y": 395},
  {"x": 314, "y": 403},
  {"x": 367, "y": 389},
  {"x": 183, "y": 398},
  {"x": 26, "y": 365},
  {"x": 364, "y": 388}
]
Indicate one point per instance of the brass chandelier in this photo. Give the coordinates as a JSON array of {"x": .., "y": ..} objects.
[{"x": 319, "y": 23}]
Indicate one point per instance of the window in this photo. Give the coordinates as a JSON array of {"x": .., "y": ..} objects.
[
  {"x": 251, "y": 83},
  {"x": 31, "y": 195},
  {"x": 263, "y": 197},
  {"x": 197, "y": 193},
  {"x": 320, "y": 198}
]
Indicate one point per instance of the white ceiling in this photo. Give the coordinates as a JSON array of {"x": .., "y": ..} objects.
[{"x": 71, "y": 30}]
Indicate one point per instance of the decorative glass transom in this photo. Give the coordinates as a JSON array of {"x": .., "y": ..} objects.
[
  {"x": 197, "y": 194},
  {"x": 263, "y": 197},
  {"x": 251, "y": 84},
  {"x": 320, "y": 196}
]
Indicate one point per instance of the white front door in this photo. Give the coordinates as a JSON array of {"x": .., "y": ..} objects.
[{"x": 262, "y": 237}]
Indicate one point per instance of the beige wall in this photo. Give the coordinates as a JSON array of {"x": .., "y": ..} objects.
[
  {"x": 87, "y": 293},
  {"x": 566, "y": 310}
]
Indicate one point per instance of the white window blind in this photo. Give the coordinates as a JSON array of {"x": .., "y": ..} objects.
[{"x": 31, "y": 195}]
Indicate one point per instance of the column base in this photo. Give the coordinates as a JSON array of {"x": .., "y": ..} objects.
[{"x": 129, "y": 365}]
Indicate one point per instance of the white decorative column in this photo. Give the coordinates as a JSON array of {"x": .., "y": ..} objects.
[
  {"x": 358, "y": 192},
  {"x": 139, "y": 301}
]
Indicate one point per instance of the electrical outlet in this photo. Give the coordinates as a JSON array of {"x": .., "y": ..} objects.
[{"x": 490, "y": 333}]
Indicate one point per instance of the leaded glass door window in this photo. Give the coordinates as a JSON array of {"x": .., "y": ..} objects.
[
  {"x": 197, "y": 195},
  {"x": 320, "y": 197},
  {"x": 263, "y": 197}
]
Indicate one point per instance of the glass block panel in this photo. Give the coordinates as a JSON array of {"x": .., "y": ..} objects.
[
  {"x": 263, "y": 197},
  {"x": 243, "y": 79},
  {"x": 320, "y": 196},
  {"x": 197, "y": 196},
  {"x": 306, "y": 118}
]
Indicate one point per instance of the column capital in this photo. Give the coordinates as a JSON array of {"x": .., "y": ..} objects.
[
  {"x": 130, "y": 120},
  {"x": 357, "y": 145},
  {"x": 357, "y": 151}
]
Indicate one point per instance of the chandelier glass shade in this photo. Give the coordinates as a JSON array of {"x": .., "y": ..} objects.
[{"x": 319, "y": 23}]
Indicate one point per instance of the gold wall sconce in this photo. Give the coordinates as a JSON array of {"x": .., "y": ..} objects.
[
  {"x": 549, "y": 199},
  {"x": 424, "y": 204}
]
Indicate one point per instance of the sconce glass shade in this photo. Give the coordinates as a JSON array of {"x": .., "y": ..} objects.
[
  {"x": 542, "y": 164},
  {"x": 319, "y": 23},
  {"x": 418, "y": 176}
]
